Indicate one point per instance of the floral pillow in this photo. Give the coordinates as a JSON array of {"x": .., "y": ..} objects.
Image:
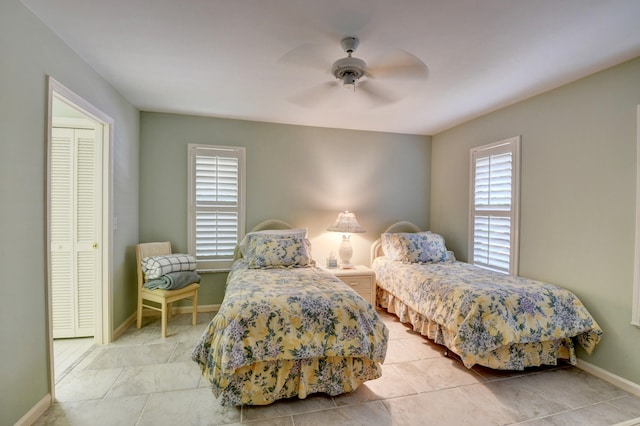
[
  {"x": 277, "y": 251},
  {"x": 395, "y": 245},
  {"x": 243, "y": 247},
  {"x": 425, "y": 248}
]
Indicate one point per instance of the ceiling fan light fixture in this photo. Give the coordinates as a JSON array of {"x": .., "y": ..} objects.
[{"x": 349, "y": 81}]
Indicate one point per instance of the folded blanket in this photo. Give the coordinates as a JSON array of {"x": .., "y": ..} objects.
[
  {"x": 156, "y": 266},
  {"x": 173, "y": 280}
]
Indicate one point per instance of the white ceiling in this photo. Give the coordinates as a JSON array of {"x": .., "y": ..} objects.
[{"x": 232, "y": 58}]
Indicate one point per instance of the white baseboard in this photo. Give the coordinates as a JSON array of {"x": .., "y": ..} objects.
[
  {"x": 123, "y": 327},
  {"x": 35, "y": 412},
  {"x": 627, "y": 385}
]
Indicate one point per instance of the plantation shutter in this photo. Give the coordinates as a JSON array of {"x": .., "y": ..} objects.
[
  {"x": 494, "y": 206},
  {"x": 216, "y": 192}
]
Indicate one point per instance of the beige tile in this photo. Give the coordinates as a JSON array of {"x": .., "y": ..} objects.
[
  {"x": 278, "y": 421},
  {"x": 156, "y": 378},
  {"x": 601, "y": 414},
  {"x": 120, "y": 356},
  {"x": 133, "y": 336},
  {"x": 424, "y": 348},
  {"x": 97, "y": 412},
  {"x": 437, "y": 373},
  {"x": 182, "y": 352},
  {"x": 390, "y": 385},
  {"x": 287, "y": 407},
  {"x": 413, "y": 348},
  {"x": 448, "y": 407},
  {"x": 370, "y": 414},
  {"x": 629, "y": 404},
  {"x": 572, "y": 387},
  {"x": 399, "y": 352},
  {"x": 89, "y": 357},
  {"x": 489, "y": 374},
  {"x": 86, "y": 384},
  {"x": 511, "y": 400},
  {"x": 185, "y": 319},
  {"x": 398, "y": 330},
  {"x": 143, "y": 368},
  {"x": 179, "y": 333},
  {"x": 187, "y": 407}
]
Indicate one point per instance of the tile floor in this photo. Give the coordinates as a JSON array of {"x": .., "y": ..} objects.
[
  {"x": 66, "y": 353},
  {"x": 142, "y": 379}
]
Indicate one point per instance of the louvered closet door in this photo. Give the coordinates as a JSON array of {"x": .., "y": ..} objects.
[{"x": 74, "y": 231}]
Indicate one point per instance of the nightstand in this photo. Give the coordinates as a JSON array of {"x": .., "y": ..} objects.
[{"x": 361, "y": 279}]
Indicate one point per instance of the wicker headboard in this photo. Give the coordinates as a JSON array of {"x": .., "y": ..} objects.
[
  {"x": 404, "y": 226},
  {"x": 267, "y": 224}
]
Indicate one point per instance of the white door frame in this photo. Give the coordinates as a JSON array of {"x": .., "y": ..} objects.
[
  {"x": 103, "y": 311},
  {"x": 635, "y": 316}
]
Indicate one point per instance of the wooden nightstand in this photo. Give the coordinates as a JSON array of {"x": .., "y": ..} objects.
[{"x": 361, "y": 279}]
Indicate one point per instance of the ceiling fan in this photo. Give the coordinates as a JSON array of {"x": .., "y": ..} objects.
[{"x": 354, "y": 73}]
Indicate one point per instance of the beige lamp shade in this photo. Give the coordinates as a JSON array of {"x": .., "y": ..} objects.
[{"x": 346, "y": 223}]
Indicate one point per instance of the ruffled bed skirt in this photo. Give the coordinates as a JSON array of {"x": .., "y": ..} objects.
[
  {"x": 265, "y": 382},
  {"x": 517, "y": 356}
]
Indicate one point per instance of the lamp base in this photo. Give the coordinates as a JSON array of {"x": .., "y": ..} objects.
[{"x": 345, "y": 252}]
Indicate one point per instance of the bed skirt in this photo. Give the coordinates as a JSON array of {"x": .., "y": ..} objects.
[
  {"x": 517, "y": 356},
  {"x": 265, "y": 382}
]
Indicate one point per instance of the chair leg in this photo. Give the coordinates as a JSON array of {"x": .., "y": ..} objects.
[
  {"x": 139, "y": 313},
  {"x": 164, "y": 319},
  {"x": 194, "y": 320}
]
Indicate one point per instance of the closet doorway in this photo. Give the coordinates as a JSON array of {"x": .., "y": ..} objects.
[{"x": 78, "y": 227}]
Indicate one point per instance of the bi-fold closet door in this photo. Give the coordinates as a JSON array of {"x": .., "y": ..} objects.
[{"x": 74, "y": 217}]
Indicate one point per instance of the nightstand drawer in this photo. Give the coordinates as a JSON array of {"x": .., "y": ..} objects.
[{"x": 359, "y": 284}]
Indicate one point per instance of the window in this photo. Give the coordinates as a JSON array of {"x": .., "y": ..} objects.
[
  {"x": 216, "y": 204},
  {"x": 494, "y": 201}
]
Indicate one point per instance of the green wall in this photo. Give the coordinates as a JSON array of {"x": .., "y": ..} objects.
[
  {"x": 577, "y": 210},
  {"x": 303, "y": 175},
  {"x": 30, "y": 52}
]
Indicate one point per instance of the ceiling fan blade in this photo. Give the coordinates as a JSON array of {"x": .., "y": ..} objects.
[
  {"x": 316, "y": 95},
  {"x": 399, "y": 64},
  {"x": 310, "y": 56},
  {"x": 375, "y": 94}
]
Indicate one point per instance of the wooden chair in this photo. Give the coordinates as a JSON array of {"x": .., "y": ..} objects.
[{"x": 163, "y": 297}]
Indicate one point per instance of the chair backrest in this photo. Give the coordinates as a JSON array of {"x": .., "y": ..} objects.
[{"x": 149, "y": 249}]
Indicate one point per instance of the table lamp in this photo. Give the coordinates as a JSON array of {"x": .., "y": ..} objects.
[{"x": 347, "y": 224}]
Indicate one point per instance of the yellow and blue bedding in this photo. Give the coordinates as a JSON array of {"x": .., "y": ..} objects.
[
  {"x": 487, "y": 318},
  {"x": 289, "y": 331}
]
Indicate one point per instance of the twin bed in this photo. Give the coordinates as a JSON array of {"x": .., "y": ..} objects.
[
  {"x": 287, "y": 329},
  {"x": 487, "y": 318}
]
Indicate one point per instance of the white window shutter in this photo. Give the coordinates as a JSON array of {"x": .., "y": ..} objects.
[
  {"x": 216, "y": 211},
  {"x": 494, "y": 206}
]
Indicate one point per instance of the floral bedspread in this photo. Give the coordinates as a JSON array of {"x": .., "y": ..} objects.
[
  {"x": 479, "y": 312},
  {"x": 270, "y": 317}
]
